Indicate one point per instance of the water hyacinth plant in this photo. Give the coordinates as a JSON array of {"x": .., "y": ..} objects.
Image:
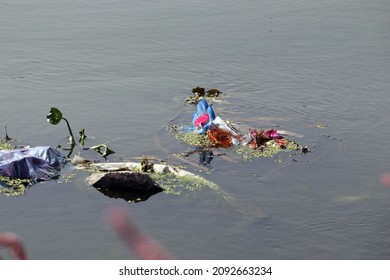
[
  {"x": 55, "y": 116},
  {"x": 106, "y": 152}
]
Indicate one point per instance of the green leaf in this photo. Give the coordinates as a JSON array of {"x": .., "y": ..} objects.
[
  {"x": 97, "y": 148},
  {"x": 107, "y": 152},
  {"x": 54, "y": 116}
]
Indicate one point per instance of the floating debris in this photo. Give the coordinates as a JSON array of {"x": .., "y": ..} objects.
[
  {"x": 320, "y": 125},
  {"x": 5, "y": 142},
  {"x": 305, "y": 150},
  {"x": 210, "y": 131},
  {"x": 126, "y": 179},
  {"x": 6, "y": 146},
  {"x": 269, "y": 150},
  {"x": 13, "y": 186},
  {"x": 173, "y": 180},
  {"x": 200, "y": 92},
  {"x": 20, "y": 168},
  {"x": 213, "y": 92},
  {"x": 190, "y": 138}
]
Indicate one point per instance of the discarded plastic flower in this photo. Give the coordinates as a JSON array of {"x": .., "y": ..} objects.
[
  {"x": 203, "y": 117},
  {"x": 201, "y": 121}
]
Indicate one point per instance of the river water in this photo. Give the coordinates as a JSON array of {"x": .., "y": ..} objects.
[{"x": 122, "y": 70}]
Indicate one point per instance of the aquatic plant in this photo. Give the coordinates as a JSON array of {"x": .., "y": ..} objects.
[
  {"x": 7, "y": 138},
  {"x": 320, "y": 125},
  {"x": 200, "y": 92},
  {"x": 82, "y": 137},
  {"x": 13, "y": 186},
  {"x": 190, "y": 138},
  {"x": 269, "y": 150},
  {"x": 5, "y": 142},
  {"x": 54, "y": 117},
  {"x": 106, "y": 152},
  {"x": 173, "y": 184},
  {"x": 5, "y": 146},
  {"x": 213, "y": 92}
]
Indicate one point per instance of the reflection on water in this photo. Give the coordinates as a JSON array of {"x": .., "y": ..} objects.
[
  {"x": 123, "y": 70},
  {"x": 205, "y": 157}
]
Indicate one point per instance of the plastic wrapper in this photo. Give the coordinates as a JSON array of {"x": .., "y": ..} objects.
[{"x": 38, "y": 163}]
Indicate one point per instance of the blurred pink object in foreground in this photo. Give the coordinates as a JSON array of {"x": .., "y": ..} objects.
[
  {"x": 385, "y": 179},
  {"x": 143, "y": 245},
  {"x": 14, "y": 245}
]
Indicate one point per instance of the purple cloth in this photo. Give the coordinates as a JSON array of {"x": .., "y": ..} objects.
[{"x": 39, "y": 163}]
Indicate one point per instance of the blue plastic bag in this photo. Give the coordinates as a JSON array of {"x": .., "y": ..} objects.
[
  {"x": 203, "y": 110},
  {"x": 38, "y": 163}
]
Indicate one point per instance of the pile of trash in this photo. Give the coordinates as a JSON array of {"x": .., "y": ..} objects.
[
  {"x": 20, "y": 168},
  {"x": 209, "y": 130}
]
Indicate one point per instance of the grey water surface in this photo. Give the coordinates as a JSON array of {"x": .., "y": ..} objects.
[{"x": 122, "y": 70}]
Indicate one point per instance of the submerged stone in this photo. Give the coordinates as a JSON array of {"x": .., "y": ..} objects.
[{"x": 131, "y": 186}]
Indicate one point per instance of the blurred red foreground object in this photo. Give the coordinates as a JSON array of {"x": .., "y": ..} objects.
[
  {"x": 14, "y": 245},
  {"x": 144, "y": 246},
  {"x": 385, "y": 179}
]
